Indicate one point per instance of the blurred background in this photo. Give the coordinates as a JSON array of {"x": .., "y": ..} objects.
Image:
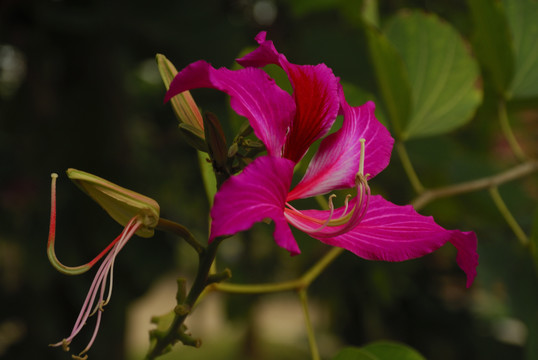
[{"x": 79, "y": 88}]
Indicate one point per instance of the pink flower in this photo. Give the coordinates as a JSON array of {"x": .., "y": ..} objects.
[{"x": 369, "y": 226}]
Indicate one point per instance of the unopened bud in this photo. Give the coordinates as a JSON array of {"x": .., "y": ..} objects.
[
  {"x": 120, "y": 203},
  {"x": 183, "y": 104}
]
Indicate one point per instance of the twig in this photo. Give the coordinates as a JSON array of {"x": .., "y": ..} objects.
[
  {"x": 512, "y": 222},
  {"x": 516, "y": 172},
  {"x": 408, "y": 167}
]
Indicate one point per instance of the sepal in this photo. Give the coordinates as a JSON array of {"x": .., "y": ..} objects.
[{"x": 120, "y": 203}]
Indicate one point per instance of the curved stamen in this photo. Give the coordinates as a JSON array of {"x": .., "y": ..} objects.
[
  {"x": 103, "y": 276},
  {"x": 68, "y": 270},
  {"x": 329, "y": 218},
  {"x": 347, "y": 220}
]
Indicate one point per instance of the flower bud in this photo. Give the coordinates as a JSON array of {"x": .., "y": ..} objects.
[
  {"x": 184, "y": 106},
  {"x": 120, "y": 203}
]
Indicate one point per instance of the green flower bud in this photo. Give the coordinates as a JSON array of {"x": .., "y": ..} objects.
[{"x": 120, "y": 203}]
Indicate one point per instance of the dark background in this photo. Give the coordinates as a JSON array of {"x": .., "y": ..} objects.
[{"x": 84, "y": 92}]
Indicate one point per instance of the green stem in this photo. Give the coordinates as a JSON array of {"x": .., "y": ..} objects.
[
  {"x": 408, "y": 167},
  {"x": 181, "y": 231},
  {"x": 514, "y": 173},
  {"x": 258, "y": 288},
  {"x": 173, "y": 334},
  {"x": 309, "y": 328},
  {"x": 518, "y": 231},
  {"x": 301, "y": 283},
  {"x": 509, "y": 134}
]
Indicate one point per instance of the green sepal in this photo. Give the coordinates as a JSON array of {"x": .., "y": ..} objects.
[{"x": 120, "y": 203}]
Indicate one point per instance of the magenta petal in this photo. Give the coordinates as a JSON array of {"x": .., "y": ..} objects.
[
  {"x": 259, "y": 192},
  {"x": 337, "y": 161},
  {"x": 253, "y": 93},
  {"x": 316, "y": 96},
  {"x": 317, "y": 104},
  {"x": 467, "y": 258},
  {"x": 395, "y": 233},
  {"x": 379, "y": 143},
  {"x": 265, "y": 54}
]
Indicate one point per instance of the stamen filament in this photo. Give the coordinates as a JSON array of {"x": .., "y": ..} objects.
[
  {"x": 347, "y": 220},
  {"x": 68, "y": 270},
  {"x": 103, "y": 276}
]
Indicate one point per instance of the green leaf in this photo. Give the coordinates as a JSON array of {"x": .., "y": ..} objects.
[
  {"x": 392, "y": 351},
  {"x": 442, "y": 74},
  {"x": 391, "y": 77},
  {"x": 492, "y": 42},
  {"x": 522, "y": 17},
  {"x": 382, "y": 350},
  {"x": 351, "y": 353}
]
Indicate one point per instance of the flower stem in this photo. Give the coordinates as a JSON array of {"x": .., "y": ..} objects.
[
  {"x": 309, "y": 329},
  {"x": 509, "y": 134},
  {"x": 501, "y": 205},
  {"x": 174, "y": 332},
  {"x": 302, "y": 282},
  {"x": 408, "y": 167},
  {"x": 516, "y": 172},
  {"x": 181, "y": 231},
  {"x": 301, "y": 285}
]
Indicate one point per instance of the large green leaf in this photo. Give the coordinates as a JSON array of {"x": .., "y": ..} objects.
[
  {"x": 442, "y": 74},
  {"x": 492, "y": 42},
  {"x": 391, "y": 77},
  {"x": 522, "y": 18},
  {"x": 383, "y": 350},
  {"x": 351, "y": 353}
]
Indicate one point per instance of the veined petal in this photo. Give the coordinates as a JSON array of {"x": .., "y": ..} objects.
[
  {"x": 379, "y": 142},
  {"x": 337, "y": 160},
  {"x": 316, "y": 100},
  {"x": 253, "y": 94},
  {"x": 259, "y": 192},
  {"x": 390, "y": 232},
  {"x": 316, "y": 96}
]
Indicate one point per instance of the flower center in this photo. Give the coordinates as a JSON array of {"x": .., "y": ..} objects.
[{"x": 344, "y": 219}]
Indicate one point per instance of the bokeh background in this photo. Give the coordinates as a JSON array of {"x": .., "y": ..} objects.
[{"x": 79, "y": 88}]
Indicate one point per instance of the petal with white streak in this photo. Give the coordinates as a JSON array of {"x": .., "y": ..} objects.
[
  {"x": 259, "y": 192},
  {"x": 390, "y": 232}
]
